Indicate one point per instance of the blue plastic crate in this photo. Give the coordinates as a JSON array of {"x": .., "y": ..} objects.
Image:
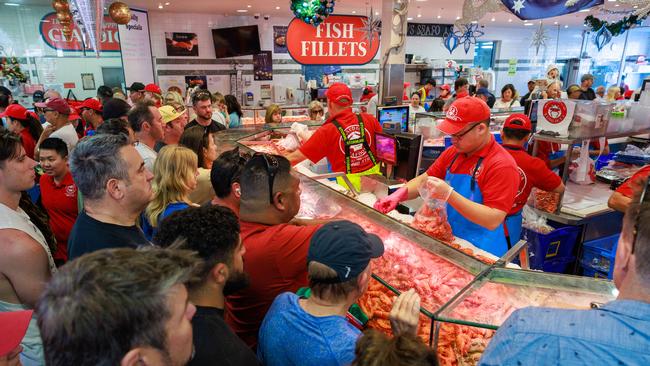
[
  {"x": 557, "y": 265},
  {"x": 599, "y": 255},
  {"x": 590, "y": 272},
  {"x": 558, "y": 244}
]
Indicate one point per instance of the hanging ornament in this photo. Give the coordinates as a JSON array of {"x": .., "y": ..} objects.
[
  {"x": 451, "y": 42},
  {"x": 468, "y": 35},
  {"x": 120, "y": 12},
  {"x": 64, "y": 18},
  {"x": 67, "y": 31},
  {"x": 539, "y": 38},
  {"x": 474, "y": 10},
  {"x": 312, "y": 12},
  {"x": 602, "y": 37},
  {"x": 371, "y": 26},
  {"x": 61, "y": 6}
]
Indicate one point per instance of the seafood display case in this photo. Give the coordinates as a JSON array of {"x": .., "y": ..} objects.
[{"x": 463, "y": 299}]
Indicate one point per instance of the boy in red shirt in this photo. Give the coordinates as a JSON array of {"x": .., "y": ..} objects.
[
  {"x": 58, "y": 193},
  {"x": 620, "y": 200},
  {"x": 533, "y": 172}
]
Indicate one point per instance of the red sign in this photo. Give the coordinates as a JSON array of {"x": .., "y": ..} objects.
[
  {"x": 555, "y": 111},
  {"x": 69, "y": 85},
  {"x": 339, "y": 40},
  {"x": 52, "y": 33}
]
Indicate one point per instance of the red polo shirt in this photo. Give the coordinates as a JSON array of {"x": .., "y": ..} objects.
[
  {"x": 328, "y": 142},
  {"x": 533, "y": 172},
  {"x": 497, "y": 177},
  {"x": 276, "y": 262},
  {"x": 60, "y": 202},
  {"x": 28, "y": 142},
  {"x": 625, "y": 189}
]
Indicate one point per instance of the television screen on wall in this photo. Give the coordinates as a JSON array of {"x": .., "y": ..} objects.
[{"x": 236, "y": 41}]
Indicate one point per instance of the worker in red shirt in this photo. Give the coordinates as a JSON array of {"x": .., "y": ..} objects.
[
  {"x": 91, "y": 111},
  {"x": 346, "y": 139},
  {"x": 276, "y": 244},
  {"x": 476, "y": 176},
  {"x": 533, "y": 172},
  {"x": 58, "y": 193},
  {"x": 621, "y": 198},
  {"x": 23, "y": 123}
]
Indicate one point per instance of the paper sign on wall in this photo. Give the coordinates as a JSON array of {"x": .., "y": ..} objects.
[
  {"x": 512, "y": 66},
  {"x": 136, "y": 49}
]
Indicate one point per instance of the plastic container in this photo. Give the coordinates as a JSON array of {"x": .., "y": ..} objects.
[
  {"x": 589, "y": 272},
  {"x": 557, "y": 265},
  {"x": 640, "y": 114},
  {"x": 599, "y": 254},
  {"x": 558, "y": 244},
  {"x": 590, "y": 119}
]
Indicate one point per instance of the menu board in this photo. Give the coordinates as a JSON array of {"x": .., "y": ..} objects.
[{"x": 136, "y": 49}]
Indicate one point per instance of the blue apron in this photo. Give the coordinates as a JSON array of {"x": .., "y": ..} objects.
[
  {"x": 513, "y": 226},
  {"x": 493, "y": 241}
]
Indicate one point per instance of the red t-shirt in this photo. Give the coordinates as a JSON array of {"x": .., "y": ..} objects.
[
  {"x": 544, "y": 151},
  {"x": 60, "y": 202},
  {"x": 276, "y": 262},
  {"x": 533, "y": 172},
  {"x": 28, "y": 142},
  {"x": 328, "y": 142},
  {"x": 497, "y": 177},
  {"x": 625, "y": 189}
]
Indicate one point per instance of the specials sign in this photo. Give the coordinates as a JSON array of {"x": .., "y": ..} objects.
[
  {"x": 52, "y": 33},
  {"x": 339, "y": 40}
]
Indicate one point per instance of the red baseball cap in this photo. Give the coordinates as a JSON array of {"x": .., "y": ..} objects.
[
  {"x": 340, "y": 94},
  {"x": 91, "y": 103},
  {"x": 13, "y": 326},
  {"x": 464, "y": 111},
  {"x": 57, "y": 104},
  {"x": 518, "y": 121},
  {"x": 153, "y": 88},
  {"x": 445, "y": 87},
  {"x": 16, "y": 111}
]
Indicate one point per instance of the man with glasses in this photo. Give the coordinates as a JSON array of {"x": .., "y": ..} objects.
[
  {"x": 91, "y": 111},
  {"x": 617, "y": 333},
  {"x": 202, "y": 104},
  {"x": 276, "y": 249},
  {"x": 57, "y": 112},
  {"x": 476, "y": 176}
]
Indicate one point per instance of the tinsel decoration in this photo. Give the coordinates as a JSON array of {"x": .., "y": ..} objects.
[
  {"x": 602, "y": 37},
  {"x": 371, "y": 26},
  {"x": 475, "y": 10},
  {"x": 539, "y": 38},
  {"x": 312, "y": 12},
  {"x": 616, "y": 29}
]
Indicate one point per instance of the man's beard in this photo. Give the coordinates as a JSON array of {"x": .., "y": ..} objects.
[{"x": 236, "y": 282}]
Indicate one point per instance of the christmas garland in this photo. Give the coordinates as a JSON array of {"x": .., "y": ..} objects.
[
  {"x": 312, "y": 11},
  {"x": 11, "y": 69},
  {"x": 617, "y": 28}
]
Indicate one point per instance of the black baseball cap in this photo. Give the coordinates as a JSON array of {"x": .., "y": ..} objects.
[
  {"x": 345, "y": 247},
  {"x": 115, "y": 108},
  {"x": 39, "y": 96},
  {"x": 136, "y": 87}
]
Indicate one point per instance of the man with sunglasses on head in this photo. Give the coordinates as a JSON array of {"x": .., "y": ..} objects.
[
  {"x": 476, "y": 176},
  {"x": 346, "y": 139},
  {"x": 276, "y": 249},
  {"x": 202, "y": 104},
  {"x": 225, "y": 178},
  {"x": 617, "y": 333}
]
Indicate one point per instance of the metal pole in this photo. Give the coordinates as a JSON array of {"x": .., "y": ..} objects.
[
  {"x": 622, "y": 66},
  {"x": 557, "y": 42}
]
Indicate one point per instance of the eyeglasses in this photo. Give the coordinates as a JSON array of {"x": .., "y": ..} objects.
[
  {"x": 272, "y": 167},
  {"x": 317, "y": 111},
  {"x": 458, "y": 136},
  {"x": 48, "y": 110},
  {"x": 643, "y": 201}
]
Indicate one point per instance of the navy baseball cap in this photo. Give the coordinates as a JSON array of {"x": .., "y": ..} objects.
[
  {"x": 482, "y": 91},
  {"x": 345, "y": 247}
]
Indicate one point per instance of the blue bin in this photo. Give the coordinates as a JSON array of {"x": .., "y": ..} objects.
[
  {"x": 589, "y": 272},
  {"x": 603, "y": 161},
  {"x": 556, "y": 245},
  {"x": 599, "y": 255},
  {"x": 557, "y": 265}
]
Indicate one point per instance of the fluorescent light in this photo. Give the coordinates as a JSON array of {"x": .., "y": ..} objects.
[
  {"x": 376, "y": 13},
  {"x": 439, "y": 16},
  {"x": 409, "y": 18},
  {"x": 249, "y": 6},
  {"x": 457, "y": 18},
  {"x": 419, "y": 15},
  {"x": 528, "y": 24},
  {"x": 555, "y": 23},
  {"x": 611, "y": 1},
  {"x": 492, "y": 19},
  {"x": 242, "y": 11},
  {"x": 510, "y": 20},
  {"x": 12, "y": 4},
  {"x": 566, "y": 26},
  {"x": 160, "y": 6},
  {"x": 166, "y": 3},
  {"x": 474, "y": 21},
  {"x": 354, "y": 11},
  {"x": 277, "y": 8},
  {"x": 583, "y": 11}
]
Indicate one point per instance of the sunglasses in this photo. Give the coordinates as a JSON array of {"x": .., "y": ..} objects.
[
  {"x": 458, "y": 136},
  {"x": 317, "y": 111},
  {"x": 48, "y": 110},
  {"x": 643, "y": 201},
  {"x": 272, "y": 167}
]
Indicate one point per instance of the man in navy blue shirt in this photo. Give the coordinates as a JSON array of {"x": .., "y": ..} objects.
[
  {"x": 617, "y": 333},
  {"x": 314, "y": 331}
]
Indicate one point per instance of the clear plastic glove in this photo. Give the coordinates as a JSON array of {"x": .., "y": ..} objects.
[
  {"x": 435, "y": 188},
  {"x": 405, "y": 314},
  {"x": 389, "y": 203}
]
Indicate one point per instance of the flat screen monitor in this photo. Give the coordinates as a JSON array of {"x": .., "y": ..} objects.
[
  {"x": 386, "y": 148},
  {"x": 236, "y": 41},
  {"x": 394, "y": 119}
]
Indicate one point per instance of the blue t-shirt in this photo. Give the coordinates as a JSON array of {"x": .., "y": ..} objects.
[
  {"x": 150, "y": 231},
  {"x": 291, "y": 336},
  {"x": 234, "y": 120}
]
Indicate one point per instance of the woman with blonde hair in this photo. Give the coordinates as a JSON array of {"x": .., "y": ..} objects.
[
  {"x": 273, "y": 114},
  {"x": 316, "y": 111},
  {"x": 172, "y": 96},
  {"x": 175, "y": 175},
  {"x": 613, "y": 94}
]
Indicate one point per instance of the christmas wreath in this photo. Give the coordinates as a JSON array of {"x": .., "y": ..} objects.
[
  {"x": 617, "y": 28},
  {"x": 11, "y": 69},
  {"x": 312, "y": 11}
]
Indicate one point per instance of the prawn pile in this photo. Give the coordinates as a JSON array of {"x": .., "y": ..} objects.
[{"x": 433, "y": 222}]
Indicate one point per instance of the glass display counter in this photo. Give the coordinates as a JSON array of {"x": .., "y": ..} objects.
[{"x": 292, "y": 113}]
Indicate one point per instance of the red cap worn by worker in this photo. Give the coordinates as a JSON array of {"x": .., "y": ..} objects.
[
  {"x": 518, "y": 121},
  {"x": 445, "y": 87},
  {"x": 15, "y": 111},
  {"x": 91, "y": 103},
  {"x": 13, "y": 326},
  {"x": 56, "y": 104},
  {"x": 339, "y": 93},
  {"x": 462, "y": 112},
  {"x": 153, "y": 88}
]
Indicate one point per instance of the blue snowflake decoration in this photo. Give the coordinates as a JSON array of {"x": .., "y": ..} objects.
[
  {"x": 602, "y": 37},
  {"x": 469, "y": 35},
  {"x": 312, "y": 12}
]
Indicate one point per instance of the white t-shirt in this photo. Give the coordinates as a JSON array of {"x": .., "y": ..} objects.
[
  {"x": 372, "y": 105},
  {"x": 148, "y": 154},
  {"x": 500, "y": 104},
  {"x": 68, "y": 135}
]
